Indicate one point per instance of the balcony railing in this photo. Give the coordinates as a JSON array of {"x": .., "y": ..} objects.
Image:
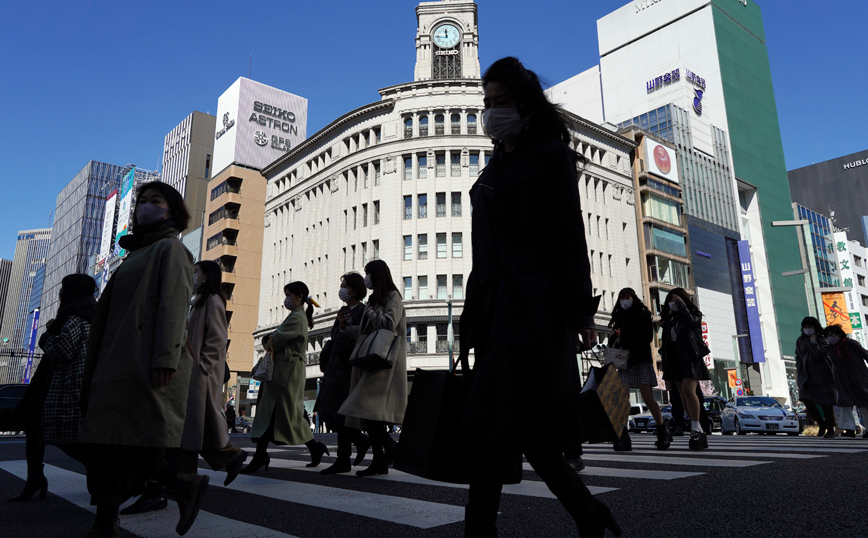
[
  {"x": 471, "y": 128},
  {"x": 456, "y": 128},
  {"x": 423, "y": 130},
  {"x": 443, "y": 346},
  {"x": 408, "y": 132},
  {"x": 441, "y": 170},
  {"x": 417, "y": 348},
  {"x": 456, "y": 210},
  {"x": 408, "y": 174},
  {"x": 439, "y": 129},
  {"x": 441, "y": 210}
]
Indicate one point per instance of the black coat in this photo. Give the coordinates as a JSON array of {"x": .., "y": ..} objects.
[
  {"x": 637, "y": 333},
  {"x": 680, "y": 357},
  {"x": 335, "y": 385},
  {"x": 528, "y": 292},
  {"x": 815, "y": 372}
]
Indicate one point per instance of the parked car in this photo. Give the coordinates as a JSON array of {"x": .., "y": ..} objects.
[
  {"x": 10, "y": 395},
  {"x": 759, "y": 414},
  {"x": 243, "y": 424},
  {"x": 801, "y": 414},
  {"x": 714, "y": 405}
]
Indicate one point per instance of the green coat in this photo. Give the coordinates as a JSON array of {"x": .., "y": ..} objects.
[
  {"x": 140, "y": 324},
  {"x": 283, "y": 396}
]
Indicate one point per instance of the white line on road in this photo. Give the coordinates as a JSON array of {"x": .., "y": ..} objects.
[
  {"x": 627, "y": 457},
  {"x": 686, "y": 451}
]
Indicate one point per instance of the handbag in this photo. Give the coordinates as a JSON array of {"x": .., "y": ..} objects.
[
  {"x": 699, "y": 348},
  {"x": 325, "y": 355},
  {"x": 264, "y": 368},
  {"x": 375, "y": 351},
  {"x": 617, "y": 357},
  {"x": 430, "y": 431},
  {"x": 605, "y": 405}
]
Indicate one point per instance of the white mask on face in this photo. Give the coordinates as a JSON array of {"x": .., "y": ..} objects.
[
  {"x": 626, "y": 303},
  {"x": 195, "y": 279},
  {"x": 502, "y": 123},
  {"x": 368, "y": 283},
  {"x": 673, "y": 306},
  {"x": 288, "y": 303},
  {"x": 344, "y": 294},
  {"x": 808, "y": 332},
  {"x": 834, "y": 340}
]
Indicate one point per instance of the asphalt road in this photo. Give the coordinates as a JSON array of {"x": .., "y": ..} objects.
[{"x": 751, "y": 486}]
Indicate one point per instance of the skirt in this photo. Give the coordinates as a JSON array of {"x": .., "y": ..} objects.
[{"x": 639, "y": 374}]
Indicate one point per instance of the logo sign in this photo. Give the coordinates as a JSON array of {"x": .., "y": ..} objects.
[
  {"x": 663, "y": 80},
  {"x": 835, "y": 308},
  {"x": 854, "y": 164},
  {"x": 705, "y": 339},
  {"x": 661, "y": 160},
  {"x": 697, "y": 101},
  {"x": 645, "y": 4},
  {"x": 750, "y": 302},
  {"x": 227, "y": 124},
  {"x": 856, "y": 321}
]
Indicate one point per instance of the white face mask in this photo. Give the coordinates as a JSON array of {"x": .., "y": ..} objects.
[
  {"x": 368, "y": 283},
  {"x": 502, "y": 123},
  {"x": 626, "y": 303},
  {"x": 344, "y": 294},
  {"x": 673, "y": 306},
  {"x": 288, "y": 303},
  {"x": 834, "y": 340},
  {"x": 808, "y": 332}
]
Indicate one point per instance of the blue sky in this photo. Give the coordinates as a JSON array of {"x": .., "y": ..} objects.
[{"x": 106, "y": 81}]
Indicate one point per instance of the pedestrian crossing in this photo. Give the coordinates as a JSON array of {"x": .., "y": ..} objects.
[{"x": 409, "y": 502}]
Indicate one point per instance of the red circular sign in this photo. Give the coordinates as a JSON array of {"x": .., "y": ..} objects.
[{"x": 661, "y": 159}]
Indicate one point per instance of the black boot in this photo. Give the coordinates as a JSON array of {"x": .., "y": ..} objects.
[
  {"x": 341, "y": 465},
  {"x": 378, "y": 467},
  {"x": 31, "y": 486},
  {"x": 362, "y": 445},
  {"x": 623, "y": 444},
  {"x": 317, "y": 449},
  {"x": 698, "y": 440},
  {"x": 147, "y": 503},
  {"x": 234, "y": 468},
  {"x": 664, "y": 437},
  {"x": 260, "y": 459},
  {"x": 189, "y": 493}
]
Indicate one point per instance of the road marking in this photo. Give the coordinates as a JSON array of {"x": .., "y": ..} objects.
[
  {"x": 707, "y": 452},
  {"x": 626, "y": 457},
  {"x": 72, "y": 487},
  {"x": 712, "y": 444}
]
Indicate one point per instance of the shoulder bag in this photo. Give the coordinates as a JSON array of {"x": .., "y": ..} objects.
[
  {"x": 617, "y": 357},
  {"x": 264, "y": 367},
  {"x": 375, "y": 351}
]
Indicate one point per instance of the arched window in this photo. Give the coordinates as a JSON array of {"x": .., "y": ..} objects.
[
  {"x": 423, "y": 126},
  {"x": 456, "y": 124},
  {"x": 439, "y": 124},
  {"x": 408, "y": 128},
  {"x": 471, "y": 124}
]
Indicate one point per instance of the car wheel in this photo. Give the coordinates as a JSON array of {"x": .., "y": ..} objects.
[{"x": 737, "y": 427}]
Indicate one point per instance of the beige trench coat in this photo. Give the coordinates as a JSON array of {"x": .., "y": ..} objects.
[
  {"x": 140, "y": 324},
  {"x": 206, "y": 422},
  {"x": 380, "y": 396}
]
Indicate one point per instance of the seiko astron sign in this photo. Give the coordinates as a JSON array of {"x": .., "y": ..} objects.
[{"x": 257, "y": 124}]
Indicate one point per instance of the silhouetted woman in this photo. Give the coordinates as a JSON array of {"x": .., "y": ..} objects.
[
  {"x": 137, "y": 373},
  {"x": 337, "y": 373},
  {"x": 51, "y": 403},
  {"x": 815, "y": 376},
  {"x": 529, "y": 297},
  {"x": 280, "y": 409},
  {"x": 849, "y": 358},
  {"x": 379, "y": 397},
  {"x": 683, "y": 355}
]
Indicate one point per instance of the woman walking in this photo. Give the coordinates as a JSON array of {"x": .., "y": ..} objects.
[
  {"x": 337, "y": 374},
  {"x": 280, "y": 409},
  {"x": 137, "y": 374},
  {"x": 849, "y": 358},
  {"x": 379, "y": 397},
  {"x": 631, "y": 321},
  {"x": 815, "y": 376},
  {"x": 51, "y": 403},
  {"x": 529, "y": 299},
  {"x": 683, "y": 352}
]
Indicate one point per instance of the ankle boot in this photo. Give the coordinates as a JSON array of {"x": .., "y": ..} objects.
[
  {"x": 664, "y": 437},
  {"x": 623, "y": 444},
  {"x": 189, "y": 493},
  {"x": 260, "y": 459},
  {"x": 316, "y": 453},
  {"x": 362, "y": 445},
  {"x": 378, "y": 467},
  {"x": 342, "y": 465},
  {"x": 31, "y": 486}
]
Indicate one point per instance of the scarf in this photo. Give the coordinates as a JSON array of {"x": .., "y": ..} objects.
[{"x": 148, "y": 235}]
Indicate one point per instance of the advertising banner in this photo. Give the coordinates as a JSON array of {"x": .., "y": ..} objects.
[
  {"x": 660, "y": 160},
  {"x": 750, "y": 303},
  {"x": 707, "y": 342},
  {"x": 732, "y": 377},
  {"x": 835, "y": 308},
  {"x": 841, "y": 247},
  {"x": 125, "y": 209},
  {"x": 105, "y": 245}
]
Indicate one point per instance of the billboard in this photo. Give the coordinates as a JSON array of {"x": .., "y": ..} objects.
[
  {"x": 835, "y": 308},
  {"x": 125, "y": 208},
  {"x": 750, "y": 303},
  {"x": 660, "y": 160},
  {"x": 105, "y": 245},
  {"x": 257, "y": 124}
]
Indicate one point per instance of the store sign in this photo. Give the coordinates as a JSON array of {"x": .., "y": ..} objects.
[
  {"x": 855, "y": 164},
  {"x": 750, "y": 302},
  {"x": 707, "y": 341},
  {"x": 663, "y": 80},
  {"x": 661, "y": 160},
  {"x": 227, "y": 124},
  {"x": 841, "y": 248},
  {"x": 732, "y": 378},
  {"x": 105, "y": 245}
]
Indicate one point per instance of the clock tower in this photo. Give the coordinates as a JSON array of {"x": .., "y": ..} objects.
[{"x": 447, "y": 40}]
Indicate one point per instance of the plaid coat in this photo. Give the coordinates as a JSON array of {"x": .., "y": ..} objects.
[
  {"x": 61, "y": 413},
  {"x": 815, "y": 373}
]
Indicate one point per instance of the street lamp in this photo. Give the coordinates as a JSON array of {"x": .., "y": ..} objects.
[{"x": 802, "y": 232}]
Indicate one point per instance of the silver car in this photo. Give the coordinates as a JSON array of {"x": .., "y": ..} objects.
[{"x": 758, "y": 414}]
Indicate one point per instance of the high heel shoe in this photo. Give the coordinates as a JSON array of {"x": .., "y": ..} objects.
[
  {"x": 234, "y": 468},
  {"x": 316, "y": 453},
  {"x": 596, "y": 520},
  {"x": 362, "y": 447},
  {"x": 31, "y": 487},
  {"x": 256, "y": 463}
]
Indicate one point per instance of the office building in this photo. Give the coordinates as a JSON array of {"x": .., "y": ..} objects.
[
  {"x": 852, "y": 260},
  {"x": 31, "y": 253},
  {"x": 188, "y": 151},
  {"x": 5, "y": 275},
  {"x": 78, "y": 227},
  {"x": 837, "y": 188}
]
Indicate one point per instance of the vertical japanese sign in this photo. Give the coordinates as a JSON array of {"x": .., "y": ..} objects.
[
  {"x": 105, "y": 244},
  {"x": 705, "y": 339},
  {"x": 33, "y": 329},
  {"x": 125, "y": 208},
  {"x": 750, "y": 302},
  {"x": 841, "y": 249},
  {"x": 835, "y": 308}
]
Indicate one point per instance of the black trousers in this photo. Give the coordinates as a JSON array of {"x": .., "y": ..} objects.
[
  {"x": 347, "y": 436},
  {"x": 824, "y": 420},
  {"x": 382, "y": 443}
]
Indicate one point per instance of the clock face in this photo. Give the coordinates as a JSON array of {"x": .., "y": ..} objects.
[{"x": 446, "y": 36}]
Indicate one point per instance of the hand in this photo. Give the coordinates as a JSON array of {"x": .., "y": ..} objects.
[
  {"x": 814, "y": 337},
  {"x": 160, "y": 377},
  {"x": 586, "y": 338}
]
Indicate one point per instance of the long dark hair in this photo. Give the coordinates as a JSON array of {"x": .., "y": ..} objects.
[
  {"x": 177, "y": 207},
  {"x": 544, "y": 119},
  {"x": 684, "y": 296},
  {"x": 618, "y": 312},
  {"x": 76, "y": 286},
  {"x": 836, "y": 329},
  {"x": 212, "y": 285},
  {"x": 815, "y": 323},
  {"x": 381, "y": 278},
  {"x": 300, "y": 288}
]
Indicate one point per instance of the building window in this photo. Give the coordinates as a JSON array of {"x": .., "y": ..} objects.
[
  {"x": 665, "y": 240},
  {"x": 353, "y": 253},
  {"x": 441, "y": 204},
  {"x": 423, "y": 288},
  {"x": 408, "y": 288},
  {"x": 423, "y": 167},
  {"x": 455, "y": 159},
  {"x": 442, "y": 290},
  {"x": 456, "y": 204},
  {"x": 408, "y": 247},
  {"x": 423, "y": 246},
  {"x": 408, "y": 168},
  {"x": 364, "y": 254},
  {"x": 377, "y": 135},
  {"x": 423, "y": 206},
  {"x": 471, "y": 124},
  {"x": 408, "y": 207},
  {"x": 458, "y": 286},
  {"x": 364, "y": 215},
  {"x": 207, "y": 167},
  {"x": 376, "y": 174},
  {"x": 857, "y": 261},
  {"x": 354, "y": 218},
  {"x": 439, "y": 128},
  {"x": 365, "y": 176},
  {"x": 441, "y": 245},
  {"x": 457, "y": 247},
  {"x": 861, "y": 280},
  {"x": 377, "y": 212},
  {"x": 408, "y": 128},
  {"x": 456, "y": 124},
  {"x": 474, "y": 165},
  {"x": 657, "y": 207},
  {"x": 440, "y": 165},
  {"x": 376, "y": 250},
  {"x": 423, "y": 126},
  {"x": 864, "y": 300}
]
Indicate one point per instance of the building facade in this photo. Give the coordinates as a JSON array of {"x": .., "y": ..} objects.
[
  {"x": 188, "y": 152},
  {"x": 852, "y": 260},
  {"x": 838, "y": 188},
  {"x": 5, "y": 276},
  {"x": 77, "y": 230},
  {"x": 678, "y": 69},
  {"x": 390, "y": 181},
  {"x": 31, "y": 253}
]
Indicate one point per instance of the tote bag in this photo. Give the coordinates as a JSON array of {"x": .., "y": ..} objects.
[
  {"x": 264, "y": 367},
  {"x": 375, "y": 351},
  {"x": 605, "y": 405}
]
